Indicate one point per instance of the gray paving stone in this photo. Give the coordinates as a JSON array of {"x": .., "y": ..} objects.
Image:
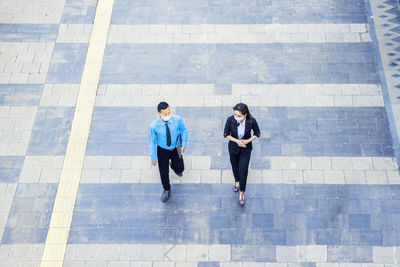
[
  {"x": 376, "y": 177},
  {"x": 131, "y": 252},
  {"x": 197, "y": 253},
  {"x": 219, "y": 253},
  {"x": 153, "y": 252},
  {"x": 68, "y": 263},
  {"x": 11, "y": 136},
  {"x": 384, "y": 163},
  {"x": 74, "y": 33},
  {"x": 362, "y": 163},
  {"x": 5, "y": 78},
  {"x": 50, "y": 176},
  {"x": 341, "y": 164},
  {"x": 110, "y": 176},
  {"x": 384, "y": 255},
  {"x": 163, "y": 264},
  {"x": 37, "y": 251},
  {"x": 354, "y": 177},
  {"x": 36, "y": 78},
  {"x": 176, "y": 253},
  {"x": 96, "y": 264},
  {"x": 393, "y": 177},
  {"x": 130, "y": 176},
  {"x": 94, "y": 162},
  {"x": 20, "y": 252},
  {"x": 108, "y": 252},
  {"x": 319, "y": 163},
  {"x": 140, "y": 264},
  {"x": 186, "y": 264},
  {"x": 17, "y": 149},
  {"x": 86, "y": 253},
  {"x": 28, "y": 59},
  {"x": 30, "y": 175},
  {"x": 122, "y": 163},
  {"x": 29, "y": 264},
  {"x": 289, "y": 254},
  {"x": 91, "y": 176},
  {"x": 44, "y": 169},
  {"x": 118, "y": 264},
  {"x": 70, "y": 252},
  {"x": 230, "y": 264},
  {"x": 5, "y": 251},
  {"x": 313, "y": 176},
  {"x": 397, "y": 255}
]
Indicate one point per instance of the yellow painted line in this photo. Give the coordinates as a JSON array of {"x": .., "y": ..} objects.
[{"x": 61, "y": 217}]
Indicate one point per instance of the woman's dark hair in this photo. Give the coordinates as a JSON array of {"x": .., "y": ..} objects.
[
  {"x": 161, "y": 106},
  {"x": 243, "y": 109}
]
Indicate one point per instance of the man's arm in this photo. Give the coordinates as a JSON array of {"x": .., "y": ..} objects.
[
  {"x": 184, "y": 134},
  {"x": 153, "y": 146}
]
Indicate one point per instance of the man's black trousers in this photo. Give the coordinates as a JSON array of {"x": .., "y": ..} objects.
[{"x": 164, "y": 156}]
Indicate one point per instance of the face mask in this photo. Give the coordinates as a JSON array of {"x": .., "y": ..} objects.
[
  {"x": 167, "y": 118},
  {"x": 238, "y": 119}
]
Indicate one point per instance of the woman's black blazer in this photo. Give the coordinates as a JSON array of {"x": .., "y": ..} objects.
[{"x": 231, "y": 128}]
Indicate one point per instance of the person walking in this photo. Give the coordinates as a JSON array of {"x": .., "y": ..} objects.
[
  {"x": 167, "y": 134},
  {"x": 238, "y": 131}
]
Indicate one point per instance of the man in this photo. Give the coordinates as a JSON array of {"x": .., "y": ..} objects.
[{"x": 163, "y": 137}]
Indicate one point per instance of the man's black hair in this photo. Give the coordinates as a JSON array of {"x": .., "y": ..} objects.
[{"x": 161, "y": 106}]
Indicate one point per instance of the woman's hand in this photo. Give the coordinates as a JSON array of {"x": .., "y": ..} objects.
[
  {"x": 240, "y": 143},
  {"x": 246, "y": 141}
]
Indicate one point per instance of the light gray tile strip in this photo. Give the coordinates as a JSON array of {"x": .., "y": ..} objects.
[
  {"x": 24, "y": 62},
  {"x": 239, "y": 33},
  {"x": 32, "y": 11},
  {"x": 204, "y": 95},
  {"x": 286, "y": 170},
  {"x": 162, "y": 255},
  {"x": 16, "y": 124}
]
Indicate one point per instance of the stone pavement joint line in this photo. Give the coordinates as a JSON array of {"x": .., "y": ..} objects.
[{"x": 57, "y": 236}]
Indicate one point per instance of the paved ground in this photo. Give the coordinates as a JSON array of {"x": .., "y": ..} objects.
[{"x": 321, "y": 77}]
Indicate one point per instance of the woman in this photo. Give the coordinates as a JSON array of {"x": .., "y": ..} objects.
[{"x": 238, "y": 131}]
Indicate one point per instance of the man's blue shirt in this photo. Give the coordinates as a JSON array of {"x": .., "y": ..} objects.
[{"x": 158, "y": 134}]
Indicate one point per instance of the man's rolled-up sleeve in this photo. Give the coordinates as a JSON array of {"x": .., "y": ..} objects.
[
  {"x": 153, "y": 144},
  {"x": 184, "y": 132}
]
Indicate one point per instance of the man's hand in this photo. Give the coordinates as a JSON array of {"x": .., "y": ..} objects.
[
  {"x": 154, "y": 163},
  {"x": 182, "y": 150}
]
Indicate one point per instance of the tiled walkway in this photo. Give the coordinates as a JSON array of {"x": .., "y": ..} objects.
[{"x": 321, "y": 77}]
